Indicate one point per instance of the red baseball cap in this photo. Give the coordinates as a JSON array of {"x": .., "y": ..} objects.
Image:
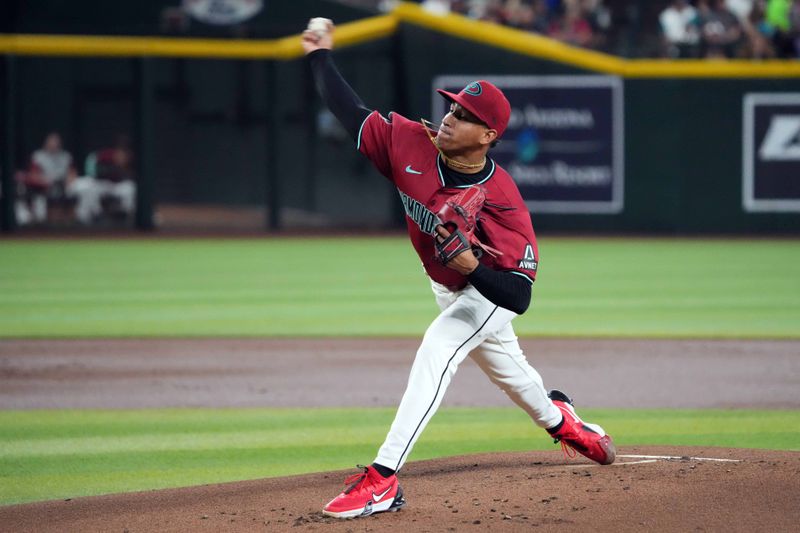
[{"x": 485, "y": 101}]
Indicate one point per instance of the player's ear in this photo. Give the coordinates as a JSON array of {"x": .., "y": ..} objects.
[{"x": 489, "y": 136}]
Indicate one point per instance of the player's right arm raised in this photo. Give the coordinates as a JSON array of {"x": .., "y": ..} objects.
[{"x": 337, "y": 94}]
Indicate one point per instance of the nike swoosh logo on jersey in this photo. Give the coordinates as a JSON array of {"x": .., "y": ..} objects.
[
  {"x": 412, "y": 171},
  {"x": 377, "y": 498}
]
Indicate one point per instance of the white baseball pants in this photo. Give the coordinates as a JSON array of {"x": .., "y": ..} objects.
[
  {"x": 469, "y": 324},
  {"x": 90, "y": 191}
]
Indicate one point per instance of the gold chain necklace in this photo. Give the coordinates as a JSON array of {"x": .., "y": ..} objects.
[{"x": 452, "y": 163}]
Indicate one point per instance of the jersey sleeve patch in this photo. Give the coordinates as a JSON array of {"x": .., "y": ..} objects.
[{"x": 528, "y": 260}]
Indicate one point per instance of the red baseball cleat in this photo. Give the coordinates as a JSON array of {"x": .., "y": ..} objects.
[
  {"x": 590, "y": 440},
  {"x": 368, "y": 493}
]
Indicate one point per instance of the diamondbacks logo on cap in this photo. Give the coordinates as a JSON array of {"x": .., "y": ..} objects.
[{"x": 473, "y": 89}]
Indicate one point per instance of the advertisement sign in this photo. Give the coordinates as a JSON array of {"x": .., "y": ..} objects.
[
  {"x": 223, "y": 12},
  {"x": 564, "y": 142},
  {"x": 771, "y": 152}
]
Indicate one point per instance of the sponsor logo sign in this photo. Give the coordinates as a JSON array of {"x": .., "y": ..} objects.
[
  {"x": 564, "y": 142},
  {"x": 771, "y": 152},
  {"x": 222, "y": 12},
  {"x": 528, "y": 260}
]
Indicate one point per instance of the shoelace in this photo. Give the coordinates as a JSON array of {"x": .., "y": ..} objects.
[
  {"x": 356, "y": 480},
  {"x": 569, "y": 451}
]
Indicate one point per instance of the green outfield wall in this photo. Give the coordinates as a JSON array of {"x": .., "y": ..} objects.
[
  {"x": 237, "y": 122},
  {"x": 683, "y": 138}
]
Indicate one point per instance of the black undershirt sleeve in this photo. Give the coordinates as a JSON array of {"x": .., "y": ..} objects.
[
  {"x": 340, "y": 98},
  {"x": 502, "y": 288}
]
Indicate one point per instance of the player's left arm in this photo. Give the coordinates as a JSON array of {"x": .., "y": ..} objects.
[{"x": 504, "y": 288}]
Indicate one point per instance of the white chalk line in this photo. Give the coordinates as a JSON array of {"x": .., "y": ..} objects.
[
  {"x": 616, "y": 463},
  {"x": 647, "y": 459},
  {"x": 679, "y": 458}
]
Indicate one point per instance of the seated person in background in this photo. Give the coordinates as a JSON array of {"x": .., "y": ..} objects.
[
  {"x": 751, "y": 17},
  {"x": 49, "y": 173},
  {"x": 573, "y": 27},
  {"x": 721, "y": 31},
  {"x": 109, "y": 177},
  {"x": 599, "y": 17},
  {"x": 520, "y": 15},
  {"x": 794, "y": 27},
  {"x": 778, "y": 21},
  {"x": 679, "y": 25}
]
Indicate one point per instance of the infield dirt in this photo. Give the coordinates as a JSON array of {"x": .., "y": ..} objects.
[
  {"x": 533, "y": 491},
  {"x": 536, "y": 491},
  {"x": 616, "y": 373}
]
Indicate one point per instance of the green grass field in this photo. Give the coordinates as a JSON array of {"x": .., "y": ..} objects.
[
  {"x": 358, "y": 287},
  {"x": 60, "y": 454}
]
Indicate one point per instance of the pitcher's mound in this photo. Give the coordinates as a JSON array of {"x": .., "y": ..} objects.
[{"x": 657, "y": 489}]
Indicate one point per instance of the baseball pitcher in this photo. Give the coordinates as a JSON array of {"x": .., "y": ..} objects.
[{"x": 472, "y": 231}]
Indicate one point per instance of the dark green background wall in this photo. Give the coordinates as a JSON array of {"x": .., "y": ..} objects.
[
  {"x": 683, "y": 137},
  {"x": 683, "y": 140}
]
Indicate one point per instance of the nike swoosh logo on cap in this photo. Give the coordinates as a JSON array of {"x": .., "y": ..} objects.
[
  {"x": 377, "y": 498},
  {"x": 412, "y": 171}
]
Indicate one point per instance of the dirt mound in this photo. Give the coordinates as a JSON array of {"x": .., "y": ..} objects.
[{"x": 701, "y": 489}]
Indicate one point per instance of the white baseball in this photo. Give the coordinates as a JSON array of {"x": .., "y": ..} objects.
[{"x": 320, "y": 25}]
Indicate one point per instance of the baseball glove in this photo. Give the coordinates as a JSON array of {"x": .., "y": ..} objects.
[{"x": 459, "y": 215}]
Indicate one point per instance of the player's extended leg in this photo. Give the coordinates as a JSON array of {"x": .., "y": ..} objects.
[
  {"x": 467, "y": 319},
  {"x": 501, "y": 358},
  {"x": 461, "y": 326}
]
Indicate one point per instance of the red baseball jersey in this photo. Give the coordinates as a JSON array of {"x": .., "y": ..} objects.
[{"x": 401, "y": 150}]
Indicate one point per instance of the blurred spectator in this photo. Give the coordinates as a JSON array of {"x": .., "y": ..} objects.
[
  {"x": 494, "y": 11},
  {"x": 599, "y": 17},
  {"x": 437, "y": 7},
  {"x": 528, "y": 15},
  {"x": 689, "y": 28},
  {"x": 541, "y": 14},
  {"x": 782, "y": 21},
  {"x": 46, "y": 180},
  {"x": 794, "y": 26},
  {"x": 720, "y": 30},
  {"x": 750, "y": 14},
  {"x": 680, "y": 27},
  {"x": 109, "y": 184},
  {"x": 519, "y": 14},
  {"x": 573, "y": 27},
  {"x": 554, "y": 5},
  {"x": 740, "y": 8}
]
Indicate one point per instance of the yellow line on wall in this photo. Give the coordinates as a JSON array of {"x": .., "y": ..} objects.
[
  {"x": 352, "y": 33},
  {"x": 103, "y": 46},
  {"x": 96, "y": 46},
  {"x": 709, "y": 68}
]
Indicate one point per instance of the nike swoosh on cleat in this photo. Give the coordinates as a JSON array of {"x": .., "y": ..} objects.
[
  {"x": 587, "y": 428},
  {"x": 412, "y": 171},
  {"x": 376, "y": 498}
]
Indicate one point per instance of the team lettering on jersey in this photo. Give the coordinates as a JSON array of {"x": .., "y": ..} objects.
[
  {"x": 528, "y": 261},
  {"x": 401, "y": 150},
  {"x": 424, "y": 217}
]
